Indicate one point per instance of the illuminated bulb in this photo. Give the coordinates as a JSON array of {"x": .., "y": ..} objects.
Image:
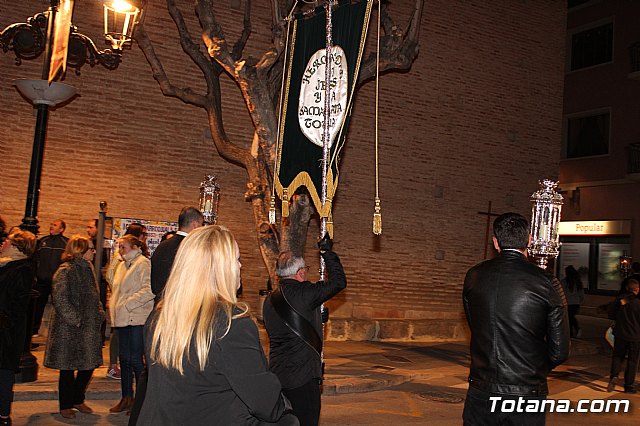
[{"x": 121, "y": 5}]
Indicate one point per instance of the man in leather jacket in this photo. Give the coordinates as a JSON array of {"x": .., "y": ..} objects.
[{"x": 519, "y": 329}]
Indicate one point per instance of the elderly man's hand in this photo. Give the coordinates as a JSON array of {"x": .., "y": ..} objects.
[{"x": 325, "y": 243}]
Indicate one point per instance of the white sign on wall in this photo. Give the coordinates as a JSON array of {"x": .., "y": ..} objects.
[{"x": 595, "y": 227}]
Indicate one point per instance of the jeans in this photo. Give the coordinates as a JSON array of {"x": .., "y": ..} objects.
[
  {"x": 7, "y": 379},
  {"x": 305, "y": 401},
  {"x": 477, "y": 411},
  {"x": 131, "y": 349},
  {"x": 72, "y": 387}
]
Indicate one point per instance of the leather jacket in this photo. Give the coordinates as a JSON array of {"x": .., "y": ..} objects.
[{"x": 519, "y": 328}]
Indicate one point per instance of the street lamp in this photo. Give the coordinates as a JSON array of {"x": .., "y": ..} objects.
[{"x": 28, "y": 40}]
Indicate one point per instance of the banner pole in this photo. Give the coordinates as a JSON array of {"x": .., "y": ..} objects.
[{"x": 327, "y": 120}]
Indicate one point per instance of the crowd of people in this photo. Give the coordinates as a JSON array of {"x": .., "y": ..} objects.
[
  {"x": 201, "y": 358},
  {"x": 189, "y": 352}
]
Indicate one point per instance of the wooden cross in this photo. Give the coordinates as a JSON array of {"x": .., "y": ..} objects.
[{"x": 489, "y": 215}]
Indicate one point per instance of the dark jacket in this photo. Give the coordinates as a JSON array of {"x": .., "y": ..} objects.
[
  {"x": 235, "y": 388},
  {"x": 16, "y": 280},
  {"x": 626, "y": 311},
  {"x": 518, "y": 320},
  {"x": 161, "y": 263},
  {"x": 74, "y": 341},
  {"x": 48, "y": 255},
  {"x": 293, "y": 361}
]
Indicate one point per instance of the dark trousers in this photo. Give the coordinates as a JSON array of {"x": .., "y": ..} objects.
[
  {"x": 622, "y": 348},
  {"x": 130, "y": 350},
  {"x": 305, "y": 401},
  {"x": 72, "y": 387},
  {"x": 477, "y": 411},
  {"x": 572, "y": 311},
  {"x": 44, "y": 288},
  {"x": 141, "y": 392},
  {"x": 7, "y": 379}
]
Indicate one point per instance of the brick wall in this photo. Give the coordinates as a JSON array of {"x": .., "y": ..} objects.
[{"x": 477, "y": 119}]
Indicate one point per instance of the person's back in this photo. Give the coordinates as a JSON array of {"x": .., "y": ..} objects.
[
  {"x": 627, "y": 317},
  {"x": 519, "y": 328},
  {"x": 507, "y": 300}
]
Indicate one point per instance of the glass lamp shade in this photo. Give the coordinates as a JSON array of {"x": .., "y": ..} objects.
[
  {"x": 41, "y": 93},
  {"x": 120, "y": 19},
  {"x": 546, "y": 206}
]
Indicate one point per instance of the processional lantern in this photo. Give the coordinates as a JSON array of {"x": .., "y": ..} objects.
[
  {"x": 546, "y": 205},
  {"x": 625, "y": 264},
  {"x": 120, "y": 19},
  {"x": 209, "y": 196}
]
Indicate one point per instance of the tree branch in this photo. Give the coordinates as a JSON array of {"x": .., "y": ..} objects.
[
  {"x": 397, "y": 50},
  {"x": 214, "y": 37},
  {"x": 186, "y": 95},
  {"x": 238, "y": 48}
]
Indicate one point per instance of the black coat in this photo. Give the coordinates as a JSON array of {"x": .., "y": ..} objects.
[
  {"x": 16, "y": 281},
  {"x": 75, "y": 341},
  {"x": 235, "y": 388},
  {"x": 293, "y": 360},
  {"x": 519, "y": 328},
  {"x": 626, "y": 311},
  {"x": 161, "y": 263}
]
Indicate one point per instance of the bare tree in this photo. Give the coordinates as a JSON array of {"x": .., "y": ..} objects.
[{"x": 258, "y": 82}]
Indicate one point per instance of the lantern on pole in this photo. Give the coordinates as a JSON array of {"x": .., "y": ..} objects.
[
  {"x": 546, "y": 205},
  {"x": 209, "y": 196},
  {"x": 625, "y": 264}
]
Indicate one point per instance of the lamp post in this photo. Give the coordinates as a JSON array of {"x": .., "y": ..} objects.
[
  {"x": 546, "y": 205},
  {"x": 28, "y": 40}
]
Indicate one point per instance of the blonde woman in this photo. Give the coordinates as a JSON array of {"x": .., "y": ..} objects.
[
  {"x": 206, "y": 365},
  {"x": 131, "y": 302},
  {"x": 74, "y": 345}
]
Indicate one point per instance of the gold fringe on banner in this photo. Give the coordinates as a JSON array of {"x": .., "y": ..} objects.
[
  {"x": 377, "y": 218},
  {"x": 285, "y": 203},
  {"x": 330, "y": 225},
  {"x": 272, "y": 210}
]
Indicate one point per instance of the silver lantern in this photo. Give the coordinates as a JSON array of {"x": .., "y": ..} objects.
[
  {"x": 209, "y": 196},
  {"x": 546, "y": 205}
]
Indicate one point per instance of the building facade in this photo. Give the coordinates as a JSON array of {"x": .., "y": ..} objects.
[{"x": 600, "y": 166}]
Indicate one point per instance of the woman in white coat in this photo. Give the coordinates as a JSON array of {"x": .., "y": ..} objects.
[{"x": 131, "y": 303}]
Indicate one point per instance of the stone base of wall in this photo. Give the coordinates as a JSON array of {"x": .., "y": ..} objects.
[{"x": 397, "y": 330}]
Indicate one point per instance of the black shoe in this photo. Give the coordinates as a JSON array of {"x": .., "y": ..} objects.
[
  {"x": 5, "y": 421},
  {"x": 630, "y": 389},
  {"x": 612, "y": 385}
]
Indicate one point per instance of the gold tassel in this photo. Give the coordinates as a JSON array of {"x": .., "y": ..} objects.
[
  {"x": 272, "y": 210},
  {"x": 285, "y": 203},
  {"x": 377, "y": 218},
  {"x": 330, "y": 225}
]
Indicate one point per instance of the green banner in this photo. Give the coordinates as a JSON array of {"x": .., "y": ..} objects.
[{"x": 299, "y": 161}]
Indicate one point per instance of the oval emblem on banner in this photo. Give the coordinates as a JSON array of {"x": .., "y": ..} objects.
[{"x": 312, "y": 95}]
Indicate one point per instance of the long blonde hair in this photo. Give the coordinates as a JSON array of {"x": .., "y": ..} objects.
[{"x": 198, "y": 299}]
